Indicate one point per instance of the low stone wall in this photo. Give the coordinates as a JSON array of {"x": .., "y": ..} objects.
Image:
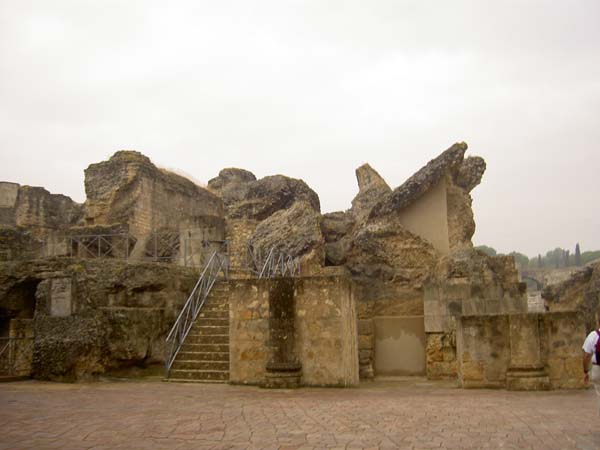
[
  {"x": 561, "y": 337},
  {"x": 325, "y": 327},
  {"x": 521, "y": 351}
]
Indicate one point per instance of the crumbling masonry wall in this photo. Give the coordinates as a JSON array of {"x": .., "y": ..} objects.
[
  {"x": 326, "y": 335},
  {"x": 94, "y": 316},
  {"x": 488, "y": 345}
]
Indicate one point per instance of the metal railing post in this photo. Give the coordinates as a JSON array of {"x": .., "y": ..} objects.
[
  {"x": 185, "y": 252},
  {"x": 155, "y": 247}
]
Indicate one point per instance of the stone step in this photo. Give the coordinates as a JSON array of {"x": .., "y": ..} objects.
[
  {"x": 218, "y": 293},
  {"x": 215, "y": 307},
  {"x": 210, "y": 322},
  {"x": 213, "y": 314},
  {"x": 188, "y": 364},
  {"x": 207, "y": 339},
  {"x": 203, "y": 330},
  {"x": 203, "y": 356},
  {"x": 219, "y": 289},
  {"x": 181, "y": 380},
  {"x": 205, "y": 347},
  {"x": 222, "y": 375},
  {"x": 217, "y": 300}
]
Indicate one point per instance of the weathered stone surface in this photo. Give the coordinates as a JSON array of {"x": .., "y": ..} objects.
[
  {"x": 384, "y": 249},
  {"x": 413, "y": 188},
  {"x": 271, "y": 194},
  {"x": 521, "y": 351},
  {"x": 372, "y": 188},
  {"x": 461, "y": 225},
  {"x": 231, "y": 184},
  {"x": 325, "y": 340},
  {"x": 336, "y": 225},
  {"x": 294, "y": 231},
  {"x": 36, "y": 210},
  {"x": 470, "y": 173},
  {"x": 581, "y": 292},
  {"x": 129, "y": 189},
  {"x": 93, "y": 316}
]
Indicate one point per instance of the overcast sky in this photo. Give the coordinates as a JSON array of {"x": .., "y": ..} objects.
[{"x": 312, "y": 90}]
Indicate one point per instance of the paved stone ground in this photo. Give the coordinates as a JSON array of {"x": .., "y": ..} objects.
[{"x": 409, "y": 415}]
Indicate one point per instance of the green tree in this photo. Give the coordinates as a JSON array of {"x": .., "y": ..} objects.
[
  {"x": 490, "y": 251},
  {"x": 540, "y": 263},
  {"x": 521, "y": 260},
  {"x": 590, "y": 256},
  {"x": 577, "y": 255}
]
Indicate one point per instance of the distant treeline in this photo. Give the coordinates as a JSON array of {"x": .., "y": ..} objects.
[{"x": 557, "y": 258}]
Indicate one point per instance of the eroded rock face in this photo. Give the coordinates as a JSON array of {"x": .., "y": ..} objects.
[
  {"x": 294, "y": 231},
  {"x": 231, "y": 184},
  {"x": 270, "y": 194},
  {"x": 461, "y": 224},
  {"x": 470, "y": 173},
  {"x": 372, "y": 189},
  {"x": 385, "y": 250},
  {"x": 423, "y": 180},
  {"x": 128, "y": 188},
  {"x": 336, "y": 225},
  {"x": 36, "y": 209},
  {"x": 581, "y": 292},
  {"x": 94, "y": 316}
]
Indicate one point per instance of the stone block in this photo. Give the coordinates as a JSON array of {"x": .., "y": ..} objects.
[
  {"x": 492, "y": 306},
  {"x": 365, "y": 327},
  {"x": 472, "y": 307},
  {"x": 472, "y": 371},
  {"x": 434, "y": 324},
  {"x": 457, "y": 291},
  {"x": 434, "y": 308},
  {"x": 365, "y": 342},
  {"x": 8, "y": 194},
  {"x": 556, "y": 368},
  {"x": 454, "y": 307},
  {"x": 449, "y": 324},
  {"x": 60, "y": 297},
  {"x": 431, "y": 292},
  {"x": 573, "y": 367}
]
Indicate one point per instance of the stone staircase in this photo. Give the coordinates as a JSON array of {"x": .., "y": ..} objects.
[{"x": 204, "y": 356}]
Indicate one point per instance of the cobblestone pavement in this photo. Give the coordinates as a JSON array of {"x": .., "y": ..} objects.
[{"x": 409, "y": 415}]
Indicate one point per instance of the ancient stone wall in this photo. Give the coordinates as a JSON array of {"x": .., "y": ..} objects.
[
  {"x": 326, "y": 335},
  {"x": 129, "y": 189},
  {"x": 36, "y": 209},
  {"x": 327, "y": 331},
  {"x": 466, "y": 283},
  {"x": 581, "y": 292},
  {"x": 94, "y": 316},
  {"x": 493, "y": 348},
  {"x": 238, "y": 234},
  {"x": 32, "y": 221}
]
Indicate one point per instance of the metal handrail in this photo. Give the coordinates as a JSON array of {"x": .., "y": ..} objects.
[
  {"x": 280, "y": 264},
  {"x": 218, "y": 262}
]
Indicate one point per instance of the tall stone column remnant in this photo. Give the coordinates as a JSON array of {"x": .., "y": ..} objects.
[
  {"x": 526, "y": 371},
  {"x": 283, "y": 369}
]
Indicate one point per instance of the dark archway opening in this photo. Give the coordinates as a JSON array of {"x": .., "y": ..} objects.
[{"x": 19, "y": 303}]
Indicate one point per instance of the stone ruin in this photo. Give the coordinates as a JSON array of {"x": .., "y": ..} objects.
[{"x": 392, "y": 286}]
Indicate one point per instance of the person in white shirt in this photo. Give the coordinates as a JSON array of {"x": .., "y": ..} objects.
[{"x": 590, "y": 363}]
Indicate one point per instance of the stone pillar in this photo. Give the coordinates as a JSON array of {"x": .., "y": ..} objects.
[
  {"x": 283, "y": 369},
  {"x": 526, "y": 370}
]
